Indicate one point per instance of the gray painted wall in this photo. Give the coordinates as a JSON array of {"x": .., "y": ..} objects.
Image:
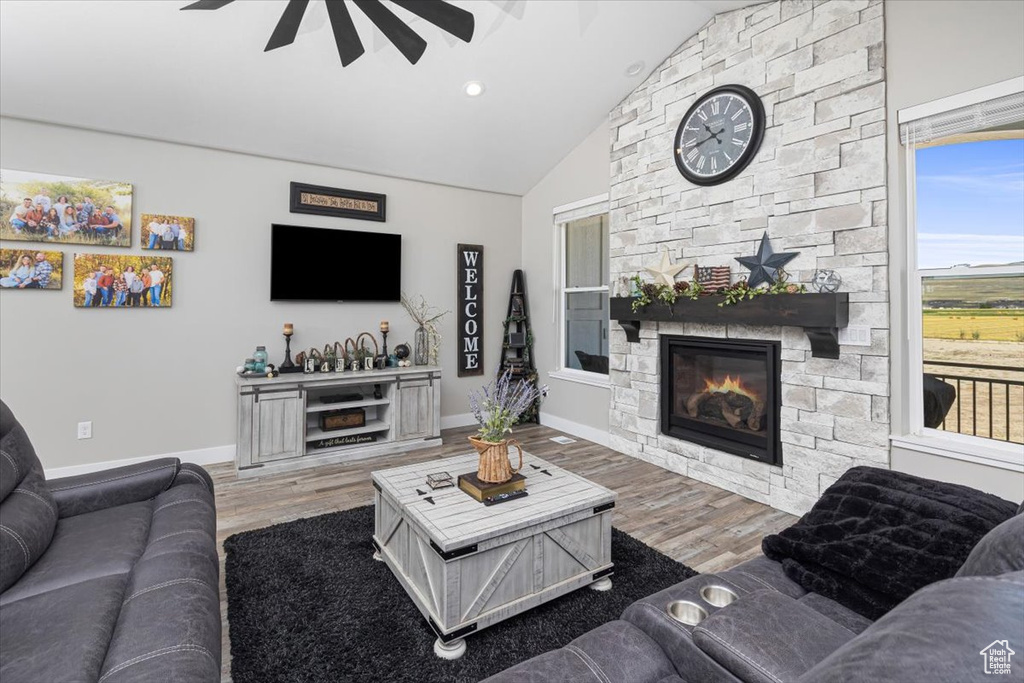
[
  {"x": 581, "y": 174},
  {"x": 157, "y": 382},
  {"x": 935, "y": 49}
]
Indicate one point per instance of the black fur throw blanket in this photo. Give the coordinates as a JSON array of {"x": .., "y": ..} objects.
[{"x": 876, "y": 536}]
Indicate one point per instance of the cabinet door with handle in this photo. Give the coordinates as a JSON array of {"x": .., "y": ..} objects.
[
  {"x": 415, "y": 419},
  {"x": 278, "y": 425}
]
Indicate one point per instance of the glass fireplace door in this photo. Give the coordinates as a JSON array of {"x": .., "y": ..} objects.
[{"x": 723, "y": 394}]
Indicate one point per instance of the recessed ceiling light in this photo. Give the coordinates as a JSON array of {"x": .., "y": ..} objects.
[
  {"x": 474, "y": 88},
  {"x": 635, "y": 69}
]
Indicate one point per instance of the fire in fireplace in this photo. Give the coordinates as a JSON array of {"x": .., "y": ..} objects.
[{"x": 723, "y": 394}]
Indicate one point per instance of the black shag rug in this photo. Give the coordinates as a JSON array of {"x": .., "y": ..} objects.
[{"x": 307, "y": 602}]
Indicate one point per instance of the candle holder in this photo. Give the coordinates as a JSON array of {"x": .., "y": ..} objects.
[
  {"x": 288, "y": 365},
  {"x": 384, "y": 346}
]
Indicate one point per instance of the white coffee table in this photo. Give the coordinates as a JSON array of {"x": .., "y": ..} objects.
[{"x": 467, "y": 566}]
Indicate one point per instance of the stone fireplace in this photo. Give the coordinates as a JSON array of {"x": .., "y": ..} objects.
[
  {"x": 723, "y": 394},
  {"x": 818, "y": 187}
]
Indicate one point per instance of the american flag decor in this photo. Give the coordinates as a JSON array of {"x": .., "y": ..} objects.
[{"x": 713, "y": 278}]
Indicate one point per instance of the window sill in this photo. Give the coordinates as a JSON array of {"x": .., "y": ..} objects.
[
  {"x": 593, "y": 379},
  {"x": 1006, "y": 456}
]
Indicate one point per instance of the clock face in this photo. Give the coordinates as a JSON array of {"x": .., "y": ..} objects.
[{"x": 719, "y": 135}]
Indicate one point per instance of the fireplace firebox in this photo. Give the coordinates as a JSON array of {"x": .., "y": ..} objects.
[{"x": 723, "y": 394}]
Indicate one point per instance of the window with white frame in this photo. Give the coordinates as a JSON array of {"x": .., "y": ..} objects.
[
  {"x": 965, "y": 305},
  {"x": 583, "y": 296}
]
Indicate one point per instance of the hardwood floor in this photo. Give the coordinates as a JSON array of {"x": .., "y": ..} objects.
[{"x": 697, "y": 524}]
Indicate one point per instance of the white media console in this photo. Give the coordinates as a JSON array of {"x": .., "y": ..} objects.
[{"x": 279, "y": 424}]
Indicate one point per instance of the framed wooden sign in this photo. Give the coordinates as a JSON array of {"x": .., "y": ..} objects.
[
  {"x": 333, "y": 201},
  {"x": 470, "y": 278}
]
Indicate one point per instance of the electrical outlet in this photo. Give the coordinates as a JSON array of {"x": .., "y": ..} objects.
[
  {"x": 85, "y": 430},
  {"x": 855, "y": 335}
]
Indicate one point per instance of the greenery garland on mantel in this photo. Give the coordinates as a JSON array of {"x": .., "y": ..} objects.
[{"x": 649, "y": 292}]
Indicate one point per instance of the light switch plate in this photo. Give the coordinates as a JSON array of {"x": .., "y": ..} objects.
[{"x": 855, "y": 335}]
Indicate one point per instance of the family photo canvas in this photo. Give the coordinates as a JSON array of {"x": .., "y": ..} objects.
[
  {"x": 39, "y": 207},
  {"x": 30, "y": 269},
  {"x": 170, "y": 233},
  {"x": 115, "y": 281}
]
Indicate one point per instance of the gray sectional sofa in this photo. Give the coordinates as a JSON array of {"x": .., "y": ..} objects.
[
  {"x": 773, "y": 631},
  {"x": 110, "y": 576}
]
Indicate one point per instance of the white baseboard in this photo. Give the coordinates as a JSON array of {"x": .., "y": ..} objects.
[
  {"x": 459, "y": 420},
  {"x": 200, "y": 456},
  {"x": 576, "y": 429},
  {"x": 215, "y": 454}
]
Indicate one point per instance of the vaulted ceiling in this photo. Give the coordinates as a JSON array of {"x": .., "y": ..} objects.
[{"x": 551, "y": 70}]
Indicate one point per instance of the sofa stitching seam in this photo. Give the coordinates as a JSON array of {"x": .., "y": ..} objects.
[
  {"x": 104, "y": 481},
  {"x": 186, "y": 647},
  {"x": 47, "y": 503},
  {"x": 165, "y": 584},
  {"x": 759, "y": 580},
  {"x": 179, "y": 502},
  {"x": 739, "y": 654},
  {"x": 21, "y": 542},
  {"x": 196, "y": 475},
  {"x": 175, "y": 533},
  {"x": 590, "y": 663},
  {"x": 14, "y": 464}
]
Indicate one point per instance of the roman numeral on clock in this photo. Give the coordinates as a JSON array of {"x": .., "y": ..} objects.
[
  {"x": 741, "y": 127},
  {"x": 691, "y": 155},
  {"x": 702, "y": 115},
  {"x": 715, "y": 106}
]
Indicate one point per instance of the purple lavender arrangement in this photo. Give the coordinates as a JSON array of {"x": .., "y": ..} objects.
[{"x": 498, "y": 405}]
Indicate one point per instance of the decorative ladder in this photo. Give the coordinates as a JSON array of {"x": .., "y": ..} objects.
[{"x": 517, "y": 343}]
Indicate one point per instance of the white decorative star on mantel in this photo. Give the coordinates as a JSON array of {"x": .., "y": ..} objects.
[{"x": 665, "y": 274}]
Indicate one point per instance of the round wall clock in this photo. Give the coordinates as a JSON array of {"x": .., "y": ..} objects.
[{"x": 719, "y": 135}]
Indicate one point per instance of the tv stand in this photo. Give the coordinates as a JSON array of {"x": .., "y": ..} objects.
[{"x": 279, "y": 419}]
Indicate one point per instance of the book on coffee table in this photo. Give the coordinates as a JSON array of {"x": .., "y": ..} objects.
[{"x": 479, "y": 490}]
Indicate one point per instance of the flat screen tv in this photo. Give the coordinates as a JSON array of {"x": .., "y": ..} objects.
[{"x": 319, "y": 264}]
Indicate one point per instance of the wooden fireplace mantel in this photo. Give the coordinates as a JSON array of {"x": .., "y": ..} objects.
[{"x": 821, "y": 315}]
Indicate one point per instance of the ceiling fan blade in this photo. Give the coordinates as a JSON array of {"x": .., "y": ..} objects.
[
  {"x": 443, "y": 15},
  {"x": 287, "y": 25},
  {"x": 208, "y": 4},
  {"x": 350, "y": 48},
  {"x": 401, "y": 36}
]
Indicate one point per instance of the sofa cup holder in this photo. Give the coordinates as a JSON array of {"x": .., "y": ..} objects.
[
  {"x": 686, "y": 612},
  {"x": 717, "y": 596}
]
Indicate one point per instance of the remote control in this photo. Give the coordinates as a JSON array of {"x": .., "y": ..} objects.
[{"x": 504, "y": 497}]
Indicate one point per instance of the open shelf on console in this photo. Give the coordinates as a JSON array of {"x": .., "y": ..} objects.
[{"x": 315, "y": 433}]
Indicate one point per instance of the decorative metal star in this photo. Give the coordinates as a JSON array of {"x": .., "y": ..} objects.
[
  {"x": 665, "y": 274},
  {"x": 764, "y": 266}
]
